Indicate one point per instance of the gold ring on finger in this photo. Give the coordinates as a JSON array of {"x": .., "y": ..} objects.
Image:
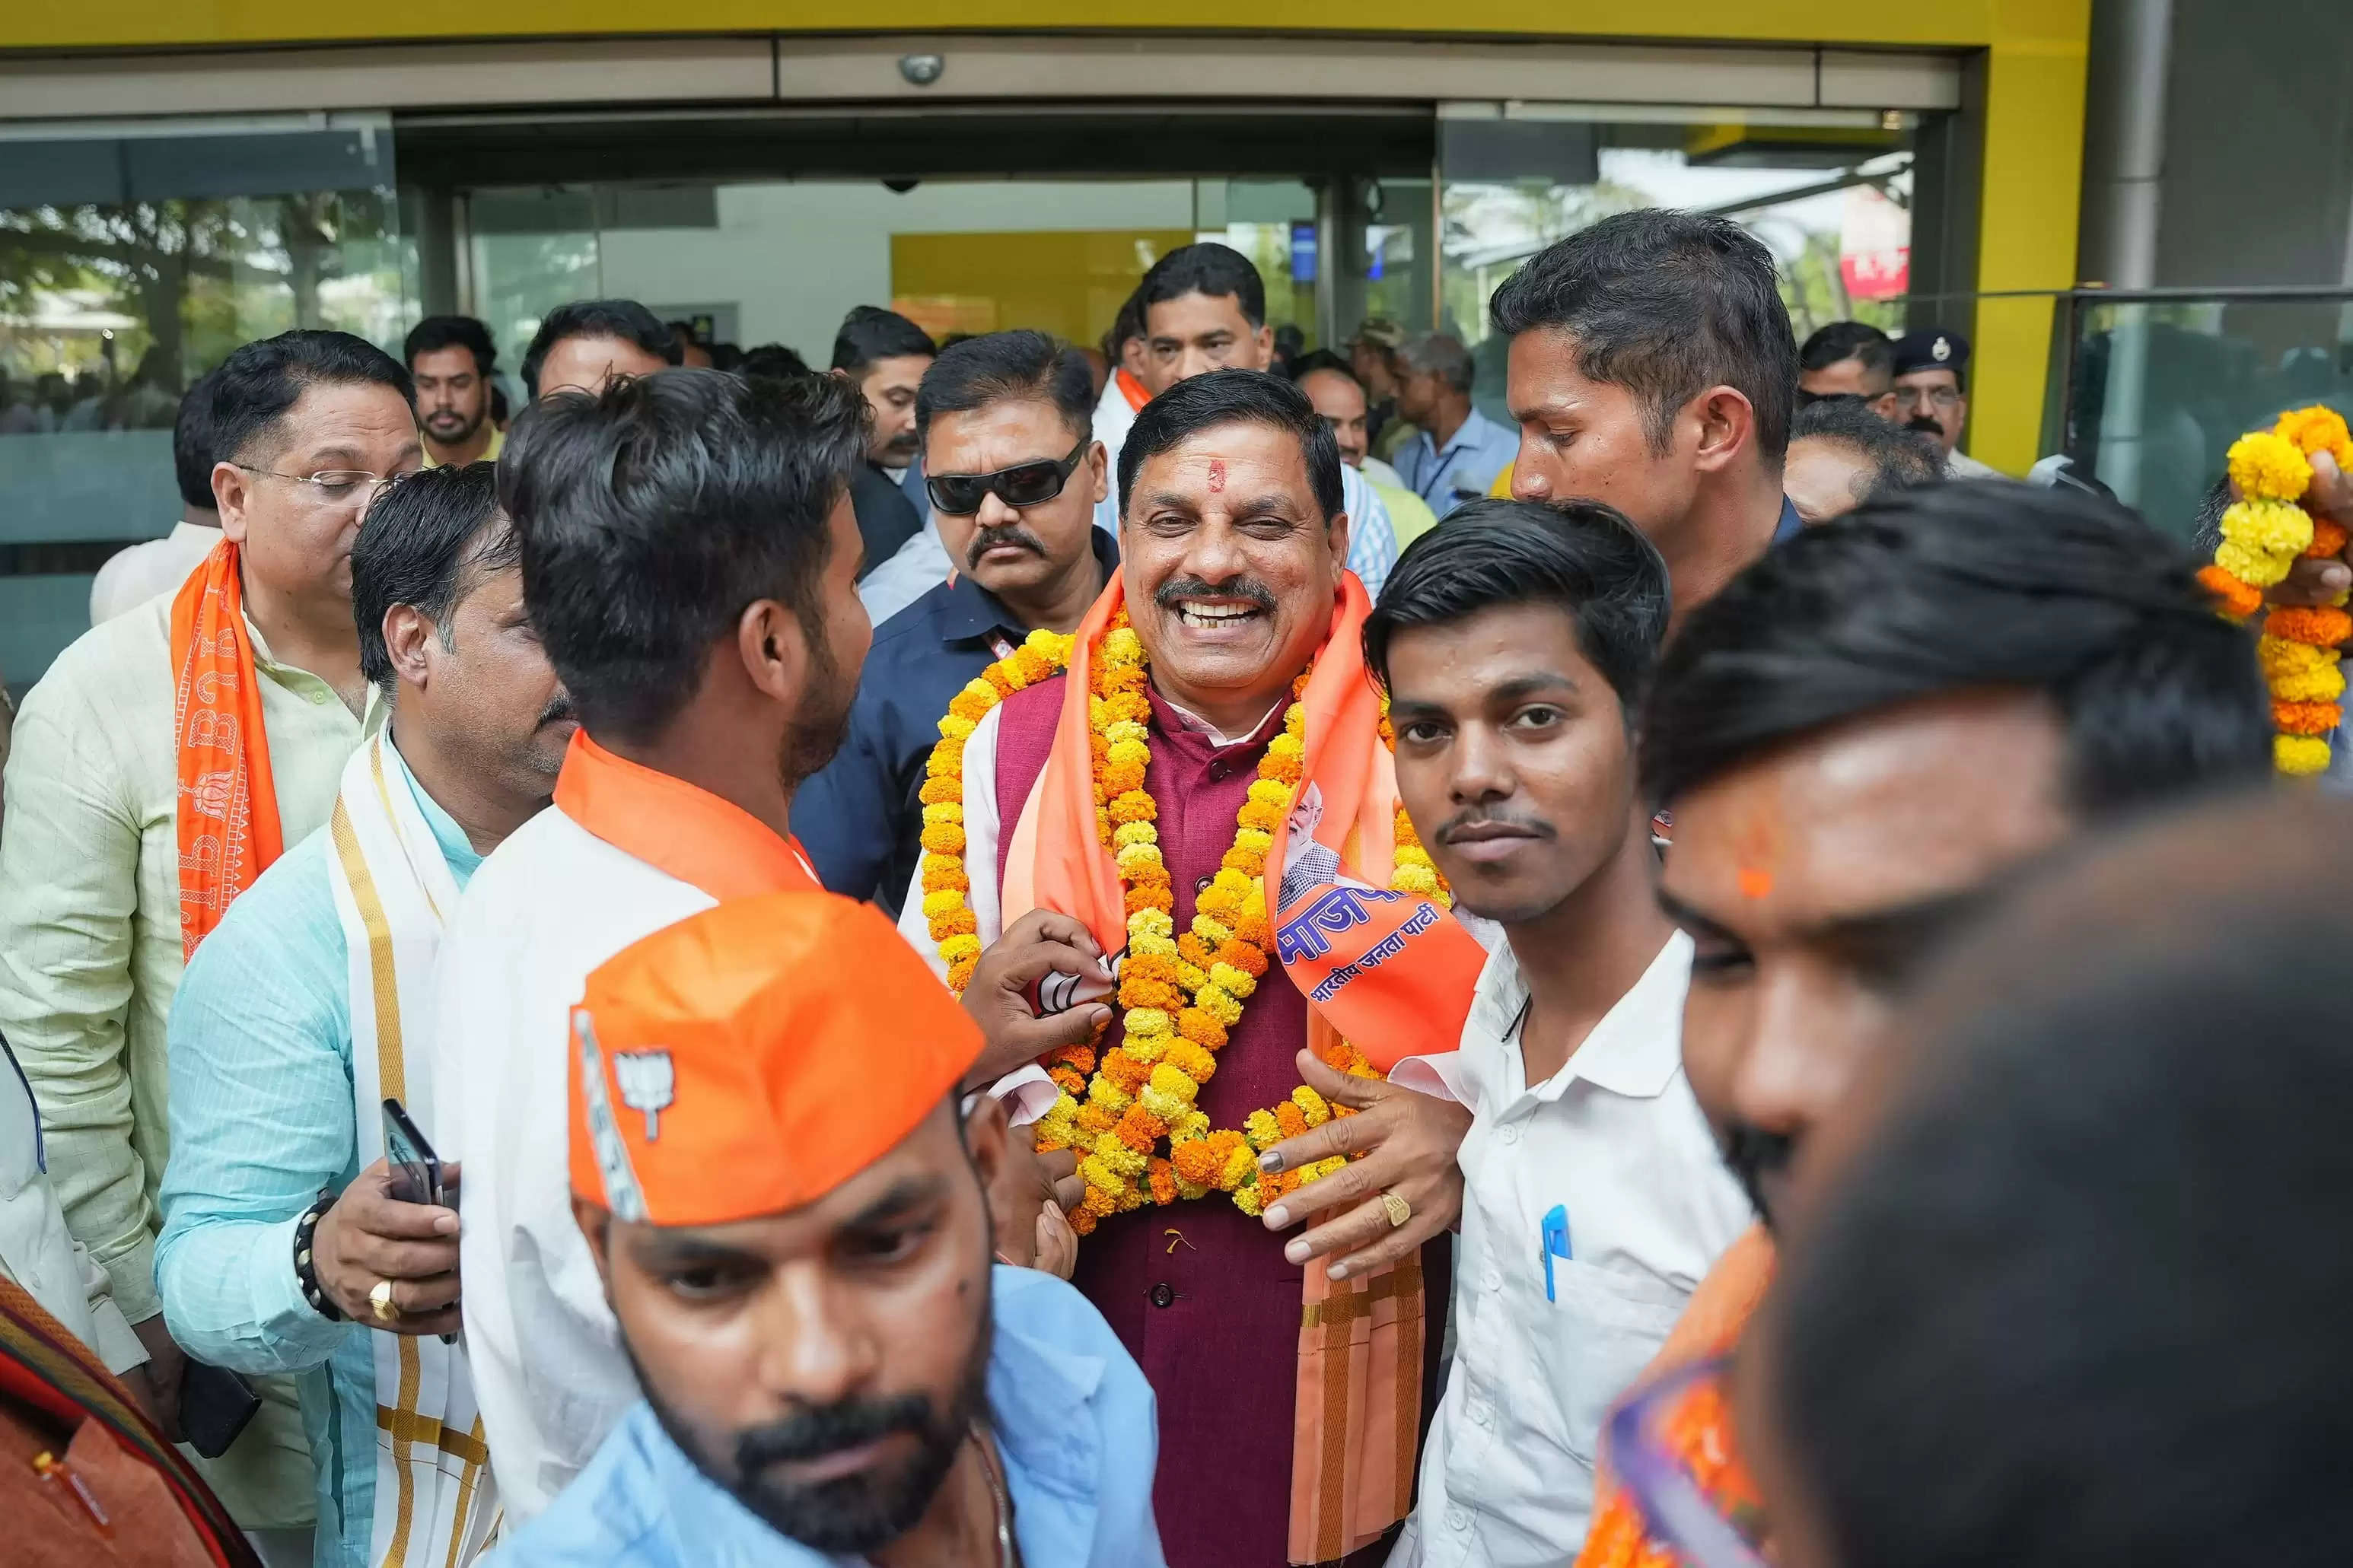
[
  {"x": 380, "y": 1302},
  {"x": 1398, "y": 1209}
]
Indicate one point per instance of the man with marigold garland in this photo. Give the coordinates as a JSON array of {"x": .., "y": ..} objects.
[
  {"x": 1861, "y": 737},
  {"x": 1196, "y": 826}
]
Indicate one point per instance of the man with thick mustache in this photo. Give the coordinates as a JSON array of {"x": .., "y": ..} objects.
[
  {"x": 1014, "y": 475},
  {"x": 1216, "y": 706},
  {"x": 833, "y": 1371}
]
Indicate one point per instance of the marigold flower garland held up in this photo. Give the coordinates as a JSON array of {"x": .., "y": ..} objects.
[
  {"x": 1182, "y": 994},
  {"x": 2263, "y": 532}
]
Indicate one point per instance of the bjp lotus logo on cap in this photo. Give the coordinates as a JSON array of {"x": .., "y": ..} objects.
[{"x": 648, "y": 1083}]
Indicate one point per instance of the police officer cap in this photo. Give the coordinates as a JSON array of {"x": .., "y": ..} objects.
[{"x": 1933, "y": 349}]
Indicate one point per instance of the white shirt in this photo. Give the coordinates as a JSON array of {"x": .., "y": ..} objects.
[
  {"x": 549, "y": 905},
  {"x": 1616, "y": 1139},
  {"x": 914, "y": 569},
  {"x": 36, "y": 1251},
  {"x": 132, "y": 576},
  {"x": 1961, "y": 466}
]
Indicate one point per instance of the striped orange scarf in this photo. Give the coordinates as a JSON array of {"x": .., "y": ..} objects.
[
  {"x": 1392, "y": 971},
  {"x": 227, "y": 803}
]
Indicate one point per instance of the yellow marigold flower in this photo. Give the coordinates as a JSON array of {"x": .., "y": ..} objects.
[
  {"x": 1321, "y": 1169},
  {"x": 1148, "y": 944},
  {"x": 1121, "y": 645},
  {"x": 1149, "y": 1021},
  {"x": 1147, "y": 1048},
  {"x": 1133, "y": 806},
  {"x": 1119, "y": 1156},
  {"x": 1119, "y": 732},
  {"x": 1135, "y": 751},
  {"x": 1162, "y": 1108},
  {"x": 1045, "y": 1140},
  {"x": 1193, "y": 1124},
  {"x": 956, "y": 727},
  {"x": 1262, "y": 1129},
  {"x": 1410, "y": 878},
  {"x": 955, "y": 922},
  {"x": 1108, "y": 1096},
  {"x": 944, "y": 873},
  {"x": 1191, "y": 976},
  {"x": 1310, "y": 1105},
  {"x": 944, "y": 811},
  {"x": 1231, "y": 981},
  {"x": 1259, "y": 815},
  {"x": 943, "y": 838},
  {"x": 2299, "y": 756},
  {"x": 1099, "y": 1203},
  {"x": 1246, "y": 1200},
  {"x": 1239, "y": 1167},
  {"x": 1269, "y": 792},
  {"x": 1254, "y": 840},
  {"x": 960, "y": 947},
  {"x": 1174, "y": 1082},
  {"x": 1150, "y": 923},
  {"x": 1133, "y": 856},
  {"x": 1287, "y": 744},
  {"x": 2273, "y": 527},
  {"x": 2323, "y": 685},
  {"x": 1130, "y": 832},
  {"x": 2267, "y": 468},
  {"x": 1233, "y": 883},
  {"x": 1218, "y": 1005},
  {"x": 2252, "y": 566},
  {"x": 938, "y": 788},
  {"x": 2281, "y": 657},
  {"x": 1211, "y": 930}
]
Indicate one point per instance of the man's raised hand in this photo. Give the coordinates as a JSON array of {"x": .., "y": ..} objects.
[{"x": 1409, "y": 1141}]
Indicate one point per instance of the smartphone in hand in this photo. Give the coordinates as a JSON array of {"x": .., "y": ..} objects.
[{"x": 416, "y": 1169}]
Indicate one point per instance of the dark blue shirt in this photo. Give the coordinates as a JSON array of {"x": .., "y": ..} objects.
[
  {"x": 1791, "y": 524},
  {"x": 861, "y": 818}
]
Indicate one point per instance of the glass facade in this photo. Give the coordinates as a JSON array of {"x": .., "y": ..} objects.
[{"x": 131, "y": 262}]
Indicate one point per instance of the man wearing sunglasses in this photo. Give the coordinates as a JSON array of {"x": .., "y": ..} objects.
[
  {"x": 1013, "y": 476},
  {"x": 162, "y": 764}
]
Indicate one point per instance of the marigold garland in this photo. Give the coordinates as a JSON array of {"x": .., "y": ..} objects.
[
  {"x": 1182, "y": 993},
  {"x": 2264, "y": 534}
]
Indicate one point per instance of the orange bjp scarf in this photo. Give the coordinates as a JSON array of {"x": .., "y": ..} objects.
[
  {"x": 1390, "y": 971},
  {"x": 227, "y": 803}
]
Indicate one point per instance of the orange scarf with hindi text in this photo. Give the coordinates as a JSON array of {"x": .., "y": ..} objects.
[
  {"x": 227, "y": 803},
  {"x": 1393, "y": 972}
]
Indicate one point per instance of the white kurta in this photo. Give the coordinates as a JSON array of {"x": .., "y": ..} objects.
[
  {"x": 549, "y": 905},
  {"x": 1616, "y": 1143}
]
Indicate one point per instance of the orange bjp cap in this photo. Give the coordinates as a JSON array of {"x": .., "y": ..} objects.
[{"x": 753, "y": 1057}]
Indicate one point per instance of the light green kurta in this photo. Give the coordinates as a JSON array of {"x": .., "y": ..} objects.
[{"x": 89, "y": 955}]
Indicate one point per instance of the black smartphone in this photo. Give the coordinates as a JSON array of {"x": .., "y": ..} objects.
[
  {"x": 416, "y": 1169},
  {"x": 215, "y": 1403}
]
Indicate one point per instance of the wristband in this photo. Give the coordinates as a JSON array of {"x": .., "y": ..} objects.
[{"x": 306, "y": 1273}]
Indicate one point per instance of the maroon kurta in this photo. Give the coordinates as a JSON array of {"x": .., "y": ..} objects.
[{"x": 1198, "y": 1292}]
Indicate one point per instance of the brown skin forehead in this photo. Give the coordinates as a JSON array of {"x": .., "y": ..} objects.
[
  {"x": 337, "y": 422},
  {"x": 1889, "y": 810},
  {"x": 1931, "y": 376},
  {"x": 1334, "y": 396},
  {"x": 1195, "y": 315}
]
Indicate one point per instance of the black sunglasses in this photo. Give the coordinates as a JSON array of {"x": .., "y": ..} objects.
[{"x": 1024, "y": 484}]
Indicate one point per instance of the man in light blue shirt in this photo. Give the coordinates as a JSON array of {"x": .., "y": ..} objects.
[
  {"x": 264, "y": 1121},
  {"x": 1459, "y": 451},
  {"x": 796, "y": 1248}
]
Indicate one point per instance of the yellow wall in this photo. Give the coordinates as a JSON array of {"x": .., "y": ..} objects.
[
  {"x": 1069, "y": 284},
  {"x": 2034, "y": 108}
]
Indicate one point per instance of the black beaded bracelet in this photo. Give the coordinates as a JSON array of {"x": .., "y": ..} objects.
[{"x": 306, "y": 1273}]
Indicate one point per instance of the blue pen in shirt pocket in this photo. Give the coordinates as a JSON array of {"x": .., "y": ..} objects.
[{"x": 1555, "y": 1243}]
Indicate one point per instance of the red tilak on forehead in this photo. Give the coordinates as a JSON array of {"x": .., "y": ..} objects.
[{"x": 1216, "y": 475}]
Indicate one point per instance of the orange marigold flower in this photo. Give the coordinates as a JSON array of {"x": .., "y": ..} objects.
[
  {"x": 955, "y": 922},
  {"x": 1150, "y": 874},
  {"x": 2306, "y": 717},
  {"x": 1117, "y": 779},
  {"x": 1125, "y": 1070},
  {"x": 1162, "y": 1176},
  {"x": 1133, "y": 806},
  {"x": 1195, "y": 952},
  {"x": 1140, "y": 1129},
  {"x": 1150, "y": 966},
  {"x": 996, "y": 675},
  {"x": 1259, "y": 814},
  {"x": 1249, "y": 863},
  {"x": 1252, "y": 929},
  {"x": 1069, "y": 1080},
  {"x": 1150, "y": 899},
  {"x": 1083, "y": 1222},
  {"x": 2318, "y": 627},
  {"x": 960, "y": 972},
  {"x": 938, "y": 791},
  {"x": 1289, "y": 1117},
  {"x": 1191, "y": 1060},
  {"x": 1247, "y": 957},
  {"x": 1196, "y": 1160},
  {"x": 943, "y": 838},
  {"x": 1135, "y": 992},
  {"x": 1083, "y": 1057},
  {"x": 2327, "y": 539},
  {"x": 1093, "y": 1118},
  {"x": 1201, "y": 1028},
  {"x": 2316, "y": 429}
]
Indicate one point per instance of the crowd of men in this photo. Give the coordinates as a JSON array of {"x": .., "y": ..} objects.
[{"x": 1171, "y": 954}]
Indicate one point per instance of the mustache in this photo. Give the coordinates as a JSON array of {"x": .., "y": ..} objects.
[
  {"x": 559, "y": 708},
  {"x": 1249, "y": 589},
  {"x": 1477, "y": 818},
  {"x": 1925, "y": 424},
  {"x": 988, "y": 539},
  {"x": 828, "y": 1429},
  {"x": 1754, "y": 1154}
]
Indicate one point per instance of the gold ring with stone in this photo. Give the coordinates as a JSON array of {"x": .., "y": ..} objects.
[
  {"x": 380, "y": 1302},
  {"x": 1399, "y": 1210}
]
